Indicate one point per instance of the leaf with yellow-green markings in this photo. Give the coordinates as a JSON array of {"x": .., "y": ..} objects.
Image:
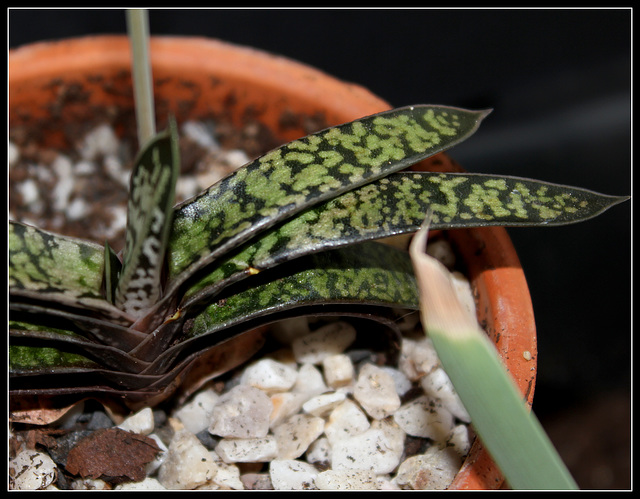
[
  {"x": 60, "y": 270},
  {"x": 370, "y": 273},
  {"x": 396, "y": 205},
  {"x": 306, "y": 172}
]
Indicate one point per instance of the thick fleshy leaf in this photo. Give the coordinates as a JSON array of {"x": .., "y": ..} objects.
[
  {"x": 370, "y": 274},
  {"x": 396, "y": 205},
  {"x": 68, "y": 347},
  {"x": 149, "y": 217},
  {"x": 85, "y": 326},
  {"x": 24, "y": 358},
  {"x": 306, "y": 172},
  {"x": 59, "y": 270}
]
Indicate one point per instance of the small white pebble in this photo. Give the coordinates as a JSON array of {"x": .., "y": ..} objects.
[
  {"x": 433, "y": 470},
  {"x": 247, "y": 450},
  {"x": 141, "y": 422},
  {"x": 64, "y": 186},
  {"x": 100, "y": 141},
  {"x": 228, "y": 475},
  {"x": 84, "y": 168},
  {"x": 160, "y": 457},
  {"x": 285, "y": 404},
  {"x": 113, "y": 166},
  {"x": 31, "y": 470},
  {"x": 146, "y": 484},
  {"x": 77, "y": 209},
  {"x": 188, "y": 464},
  {"x": 269, "y": 375},
  {"x": 372, "y": 450},
  {"x": 90, "y": 484},
  {"x": 330, "y": 339},
  {"x": 201, "y": 134},
  {"x": 322, "y": 404},
  {"x": 346, "y": 420},
  {"x": 29, "y": 191},
  {"x": 119, "y": 214},
  {"x": 236, "y": 158},
  {"x": 295, "y": 435},
  {"x": 417, "y": 358},
  {"x": 425, "y": 417},
  {"x": 346, "y": 480},
  {"x": 287, "y": 330},
  {"x": 197, "y": 413},
  {"x": 459, "y": 440},
  {"x": 402, "y": 383},
  {"x": 437, "y": 385},
  {"x": 319, "y": 451},
  {"x": 290, "y": 474},
  {"x": 375, "y": 391},
  {"x": 242, "y": 412},
  {"x": 310, "y": 381},
  {"x": 338, "y": 370},
  {"x": 187, "y": 187}
]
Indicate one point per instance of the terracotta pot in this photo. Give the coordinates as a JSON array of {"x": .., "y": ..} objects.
[{"x": 54, "y": 84}]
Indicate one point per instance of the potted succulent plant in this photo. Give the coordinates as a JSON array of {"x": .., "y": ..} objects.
[{"x": 190, "y": 311}]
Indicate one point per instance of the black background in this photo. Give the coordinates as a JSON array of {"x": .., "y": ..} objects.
[{"x": 559, "y": 81}]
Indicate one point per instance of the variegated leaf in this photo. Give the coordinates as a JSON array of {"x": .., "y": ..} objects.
[
  {"x": 397, "y": 204},
  {"x": 369, "y": 273},
  {"x": 149, "y": 217},
  {"x": 306, "y": 172},
  {"x": 59, "y": 270}
]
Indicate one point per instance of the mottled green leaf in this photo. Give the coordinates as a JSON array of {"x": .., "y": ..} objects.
[
  {"x": 63, "y": 271},
  {"x": 369, "y": 274},
  {"x": 305, "y": 172},
  {"x": 25, "y": 358},
  {"x": 70, "y": 347},
  {"x": 397, "y": 204},
  {"x": 149, "y": 217}
]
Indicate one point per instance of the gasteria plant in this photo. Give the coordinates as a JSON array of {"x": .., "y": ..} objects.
[{"x": 287, "y": 234}]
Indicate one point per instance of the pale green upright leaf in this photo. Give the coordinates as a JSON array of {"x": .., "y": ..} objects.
[{"x": 513, "y": 435}]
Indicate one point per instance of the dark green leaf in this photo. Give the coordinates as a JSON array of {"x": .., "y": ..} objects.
[{"x": 112, "y": 269}]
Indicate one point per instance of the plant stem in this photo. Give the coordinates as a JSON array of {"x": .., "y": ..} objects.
[{"x": 138, "y": 28}]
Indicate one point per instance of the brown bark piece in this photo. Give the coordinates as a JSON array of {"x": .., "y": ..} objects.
[{"x": 112, "y": 454}]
